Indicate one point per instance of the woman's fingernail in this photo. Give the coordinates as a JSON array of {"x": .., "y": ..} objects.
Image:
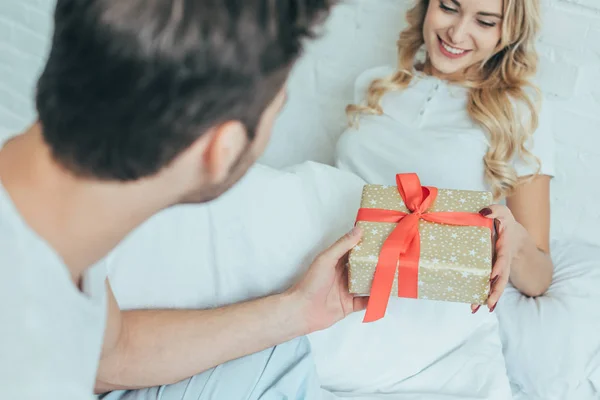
[
  {"x": 355, "y": 231},
  {"x": 493, "y": 307},
  {"x": 493, "y": 281},
  {"x": 476, "y": 309},
  {"x": 485, "y": 212}
]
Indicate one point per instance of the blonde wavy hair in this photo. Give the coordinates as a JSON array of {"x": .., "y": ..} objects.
[{"x": 496, "y": 86}]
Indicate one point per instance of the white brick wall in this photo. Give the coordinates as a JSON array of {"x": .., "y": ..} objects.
[{"x": 361, "y": 34}]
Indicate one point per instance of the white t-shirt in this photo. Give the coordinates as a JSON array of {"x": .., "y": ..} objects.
[
  {"x": 426, "y": 129},
  {"x": 51, "y": 333}
]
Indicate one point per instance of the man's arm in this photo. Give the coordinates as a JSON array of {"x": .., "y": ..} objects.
[
  {"x": 149, "y": 348},
  {"x": 158, "y": 347}
]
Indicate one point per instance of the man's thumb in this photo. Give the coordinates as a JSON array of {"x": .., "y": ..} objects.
[{"x": 344, "y": 244}]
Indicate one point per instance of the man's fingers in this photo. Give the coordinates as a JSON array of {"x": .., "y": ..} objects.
[
  {"x": 340, "y": 248},
  {"x": 342, "y": 264},
  {"x": 360, "y": 303}
]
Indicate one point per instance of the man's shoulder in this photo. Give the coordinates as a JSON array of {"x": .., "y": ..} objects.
[
  {"x": 17, "y": 242},
  {"x": 25, "y": 258}
]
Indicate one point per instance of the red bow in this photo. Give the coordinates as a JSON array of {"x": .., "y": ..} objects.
[{"x": 402, "y": 248}]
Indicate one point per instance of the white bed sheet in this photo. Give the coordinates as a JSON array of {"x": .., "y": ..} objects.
[
  {"x": 552, "y": 343},
  {"x": 259, "y": 237}
]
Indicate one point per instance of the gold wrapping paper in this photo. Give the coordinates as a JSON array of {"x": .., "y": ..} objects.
[{"x": 455, "y": 262}]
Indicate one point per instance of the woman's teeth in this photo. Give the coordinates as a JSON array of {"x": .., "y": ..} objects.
[{"x": 452, "y": 49}]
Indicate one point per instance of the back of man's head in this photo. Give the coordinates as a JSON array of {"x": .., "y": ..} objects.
[{"x": 131, "y": 84}]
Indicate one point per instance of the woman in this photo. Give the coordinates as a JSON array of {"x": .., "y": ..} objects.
[{"x": 466, "y": 118}]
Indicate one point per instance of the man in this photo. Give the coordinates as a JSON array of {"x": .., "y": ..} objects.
[{"x": 145, "y": 104}]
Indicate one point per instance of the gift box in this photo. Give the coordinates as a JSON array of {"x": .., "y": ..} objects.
[{"x": 423, "y": 243}]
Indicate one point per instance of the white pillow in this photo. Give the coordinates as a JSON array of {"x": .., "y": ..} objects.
[
  {"x": 259, "y": 237},
  {"x": 252, "y": 241},
  {"x": 552, "y": 343}
]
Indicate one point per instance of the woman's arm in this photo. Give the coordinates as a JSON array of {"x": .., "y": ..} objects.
[{"x": 531, "y": 268}]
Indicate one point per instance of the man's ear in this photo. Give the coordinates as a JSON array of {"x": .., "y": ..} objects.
[{"x": 226, "y": 144}]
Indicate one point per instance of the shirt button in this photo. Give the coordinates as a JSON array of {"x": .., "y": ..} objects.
[
  {"x": 422, "y": 112},
  {"x": 429, "y": 98}
]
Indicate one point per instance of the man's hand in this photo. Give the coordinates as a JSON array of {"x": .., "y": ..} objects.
[
  {"x": 322, "y": 294},
  {"x": 148, "y": 348}
]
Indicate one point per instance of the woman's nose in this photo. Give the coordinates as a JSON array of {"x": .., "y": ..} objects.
[{"x": 458, "y": 32}]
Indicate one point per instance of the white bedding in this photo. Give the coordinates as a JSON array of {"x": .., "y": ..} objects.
[
  {"x": 196, "y": 256},
  {"x": 241, "y": 247},
  {"x": 238, "y": 248},
  {"x": 552, "y": 343},
  {"x": 552, "y": 347}
]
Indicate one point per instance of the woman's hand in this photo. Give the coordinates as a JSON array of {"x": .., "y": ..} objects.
[{"x": 511, "y": 236}]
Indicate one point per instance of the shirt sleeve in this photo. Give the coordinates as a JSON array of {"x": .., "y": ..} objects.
[{"x": 540, "y": 145}]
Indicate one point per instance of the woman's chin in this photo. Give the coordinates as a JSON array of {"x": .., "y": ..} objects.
[
  {"x": 445, "y": 72},
  {"x": 447, "y": 68}
]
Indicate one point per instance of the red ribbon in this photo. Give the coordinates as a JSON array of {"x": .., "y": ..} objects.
[{"x": 402, "y": 248}]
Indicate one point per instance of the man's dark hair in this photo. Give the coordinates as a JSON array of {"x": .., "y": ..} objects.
[{"x": 131, "y": 84}]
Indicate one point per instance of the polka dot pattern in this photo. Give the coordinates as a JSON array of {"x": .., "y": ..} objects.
[{"x": 455, "y": 262}]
